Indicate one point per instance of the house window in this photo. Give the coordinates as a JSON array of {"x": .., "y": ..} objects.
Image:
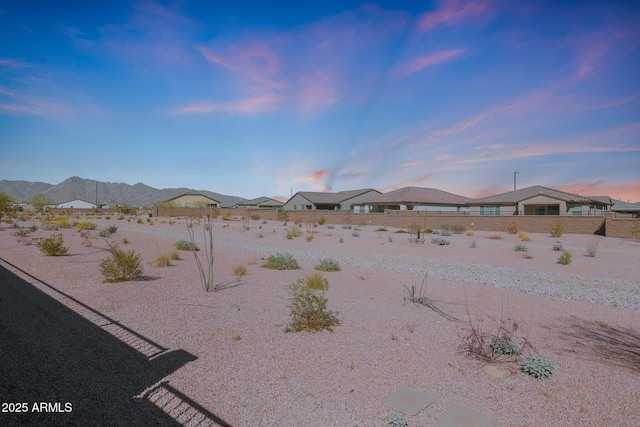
[
  {"x": 489, "y": 210},
  {"x": 186, "y": 205},
  {"x": 576, "y": 210}
]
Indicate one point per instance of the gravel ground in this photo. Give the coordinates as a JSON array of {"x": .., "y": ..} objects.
[{"x": 239, "y": 367}]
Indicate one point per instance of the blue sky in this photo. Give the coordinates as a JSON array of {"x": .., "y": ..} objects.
[{"x": 254, "y": 98}]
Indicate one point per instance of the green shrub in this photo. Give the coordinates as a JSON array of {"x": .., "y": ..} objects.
[
  {"x": 86, "y": 226},
  {"x": 104, "y": 233},
  {"x": 565, "y": 258},
  {"x": 175, "y": 256},
  {"x": 292, "y": 232},
  {"x": 121, "y": 266},
  {"x": 328, "y": 265},
  {"x": 322, "y": 220},
  {"x": 556, "y": 228},
  {"x": 458, "y": 229},
  {"x": 281, "y": 261},
  {"x": 309, "y": 238},
  {"x": 520, "y": 248},
  {"x": 47, "y": 226},
  {"x": 439, "y": 241},
  {"x": 539, "y": 366},
  {"x": 355, "y": 234},
  {"x": 308, "y": 310},
  {"x": 283, "y": 216},
  {"x": 112, "y": 229},
  {"x": 185, "y": 245},
  {"x": 557, "y": 246},
  {"x": 53, "y": 246},
  {"x": 502, "y": 345}
]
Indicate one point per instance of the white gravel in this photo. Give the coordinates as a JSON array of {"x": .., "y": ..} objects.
[{"x": 250, "y": 373}]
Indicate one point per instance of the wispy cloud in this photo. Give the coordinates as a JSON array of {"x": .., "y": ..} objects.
[
  {"x": 247, "y": 106},
  {"x": 425, "y": 61},
  {"x": 452, "y": 12},
  {"x": 20, "y": 102}
]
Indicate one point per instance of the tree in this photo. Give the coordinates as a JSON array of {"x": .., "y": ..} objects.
[
  {"x": 40, "y": 201},
  {"x": 5, "y": 203}
]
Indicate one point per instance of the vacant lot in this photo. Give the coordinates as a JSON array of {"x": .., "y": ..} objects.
[{"x": 242, "y": 369}]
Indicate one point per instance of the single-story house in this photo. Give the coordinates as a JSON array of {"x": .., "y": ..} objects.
[
  {"x": 538, "y": 200},
  {"x": 417, "y": 199},
  {"x": 76, "y": 204},
  {"x": 620, "y": 206},
  {"x": 261, "y": 202},
  {"x": 191, "y": 200},
  {"x": 342, "y": 200}
]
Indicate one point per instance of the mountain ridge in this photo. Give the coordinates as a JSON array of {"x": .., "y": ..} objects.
[{"x": 108, "y": 193}]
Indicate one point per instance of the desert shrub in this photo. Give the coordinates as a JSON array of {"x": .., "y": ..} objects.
[
  {"x": 22, "y": 232},
  {"x": 53, "y": 246},
  {"x": 390, "y": 238},
  {"x": 328, "y": 264},
  {"x": 162, "y": 261},
  {"x": 355, "y": 234},
  {"x": 62, "y": 223},
  {"x": 469, "y": 232},
  {"x": 308, "y": 310},
  {"x": 458, "y": 229},
  {"x": 341, "y": 240},
  {"x": 121, "y": 266},
  {"x": 281, "y": 261},
  {"x": 473, "y": 243},
  {"x": 524, "y": 236},
  {"x": 439, "y": 241},
  {"x": 316, "y": 282},
  {"x": 309, "y": 238},
  {"x": 591, "y": 251},
  {"x": 86, "y": 226},
  {"x": 557, "y": 246},
  {"x": 240, "y": 270},
  {"x": 297, "y": 220},
  {"x": 539, "y": 366},
  {"x": 139, "y": 221},
  {"x": 330, "y": 227},
  {"x": 500, "y": 345},
  {"x": 121, "y": 217},
  {"x": 175, "y": 256},
  {"x": 185, "y": 245},
  {"x": 565, "y": 258},
  {"x": 322, "y": 220},
  {"x": 125, "y": 241},
  {"x": 520, "y": 248},
  {"x": 556, "y": 228},
  {"x": 104, "y": 233},
  {"x": 107, "y": 217},
  {"x": 495, "y": 237},
  {"x": 255, "y": 217},
  {"x": 112, "y": 229},
  {"x": 292, "y": 232},
  {"x": 47, "y": 226},
  {"x": 347, "y": 226},
  {"x": 445, "y": 227},
  {"x": 445, "y": 233},
  {"x": 283, "y": 215},
  {"x": 512, "y": 228}
]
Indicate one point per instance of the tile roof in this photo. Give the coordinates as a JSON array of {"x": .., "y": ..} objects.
[
  {"x": 513, "y": 197},
  {"x": 416, "y": 195},
  {"x": 258, "y": 201},
  {"x": 332, "y": 198}
]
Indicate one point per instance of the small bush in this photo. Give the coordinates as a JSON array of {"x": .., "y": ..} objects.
[
  {"x": 125, "y": 241},
  {"x": 355, "y": 234},
  {"x": 439, "y": 241},
  {"x": 396, "y": 419},
  {"x": 473, "y": 243},
  {"x": 330, "y": 227},
  {"x": 322, "y": 220},
  {"x": 309, "y": 238},
  {"x": 557, "y": 246},
  {"x": 121, "y": 217},
  {"x": 139, "y": 221},
  {"x": 86, "y": 226},
  {"x": 469, "y": 232},
  {"x": 255, "y": 217},
  {"x": 316, "y": 282},
  {"x": 328, "y": 265},
  {"x": 556, "y": 229},
  {"x": 445, "y": 233},
  {"x": 341, "y": 240},
  {"x": 512, "y": 228},
  {"x": 112, "y": 229},
  {"x": 502, "y": 345},
  {"x": 347, "y": 227},
  {"x": 47, "y": 226},
  {"x": 281, "y": 261},
  {"x": 292, "y": 232},
  {"x": 162, "y": 261},
  {"x": 121, "y": 266},
  {"x": 458, "y": 229},
  {"x": 62, "y": 223},
  {"x": 390, "y": 238},
  {"x": 175, "y": 256},
  {"x": 185, "y": 245},
  {"x": 539, "y": 366},
  {"x": 308, "y": 310},
  {"x": 22, "y": 232},
  {"x": 565, "y": 258},
  {"x": 104, "y": 233},
  {"x": 524, "y": 236},
  {"x": 591, "y": 251},
  {"x": 240, "y": 270},
  {"x": 495, "y": 237},
  {"x": 297, "y": 220},
  {"x": 520, "y": 248},
  {"x": 53, "y": 246}
]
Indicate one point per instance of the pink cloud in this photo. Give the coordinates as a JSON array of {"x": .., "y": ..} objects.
[
  {"x": 23, "y": 103},
  {"x": 418, "y": 64},
  {"x": 414, "y": 181},
  {"x": 452, "y": 12},
  {"x": 625, "y": 191},
  {"x": 13, "y": 63}
]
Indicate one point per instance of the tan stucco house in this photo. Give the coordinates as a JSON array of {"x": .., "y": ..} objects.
[
  {"x": 192, "y": 200},
  {"x": 342, "y": 200}
]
